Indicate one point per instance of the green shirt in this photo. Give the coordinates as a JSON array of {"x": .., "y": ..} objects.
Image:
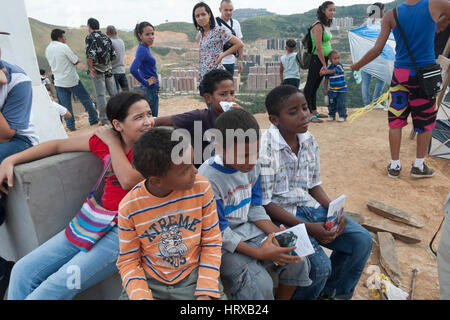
[{"x": 326, "y": 43}]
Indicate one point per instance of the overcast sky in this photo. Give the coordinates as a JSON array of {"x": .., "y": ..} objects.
[{"x": 125, "y": 14}]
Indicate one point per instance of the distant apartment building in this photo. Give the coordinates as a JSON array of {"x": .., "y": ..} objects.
[
  {"x": 264, "y": 77},
  {"x": 250, "y": 60},
  {"x": 345, "y": 23},
  {"x": 179, "y": 81},
  {"x": 278, "y": 44},
  {"x": 185, "y": 81}
]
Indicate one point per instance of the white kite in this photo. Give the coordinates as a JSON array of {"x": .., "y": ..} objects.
[{"x": 361, "y": 41}]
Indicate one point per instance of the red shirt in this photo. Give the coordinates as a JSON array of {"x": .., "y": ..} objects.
[{"x": 113, "y": 192}]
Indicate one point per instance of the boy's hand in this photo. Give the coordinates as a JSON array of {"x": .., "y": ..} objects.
[
  {"x": 279, "y": 255},
  {"x": 342, "y": 223},
  {"x": 204, "y": 298},
  {"x": 6, "y": 176},
  {"x": 318, "y": 232}
]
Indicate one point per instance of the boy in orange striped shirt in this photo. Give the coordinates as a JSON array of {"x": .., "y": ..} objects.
[{"x": 168, "y": 227}]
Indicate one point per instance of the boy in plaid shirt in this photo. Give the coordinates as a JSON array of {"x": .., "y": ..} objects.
[{"x": 292, "y": 194}]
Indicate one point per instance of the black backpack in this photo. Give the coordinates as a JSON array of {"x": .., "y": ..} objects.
[
  {"x": 227, "y": 45},
  {"x": 304, "y": 54}
]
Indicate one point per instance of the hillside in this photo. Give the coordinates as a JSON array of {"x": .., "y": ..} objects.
[
  {"x": 75, "y": 39},
  {"x": 244, "y": 14},
  {"x": 174, "y": 44},
  {"x": 292, "y": 26}
]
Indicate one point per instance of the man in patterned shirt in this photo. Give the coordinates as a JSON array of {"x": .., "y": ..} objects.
[
  {"x": 100, "y": 53},
  {"x": 292, "y": 194}
]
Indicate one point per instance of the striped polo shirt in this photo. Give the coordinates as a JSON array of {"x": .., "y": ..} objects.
[
  {"x": 337, "y": 80},
  {"x": 239, "y": 201},
  {"x": 168, "y": 238}
]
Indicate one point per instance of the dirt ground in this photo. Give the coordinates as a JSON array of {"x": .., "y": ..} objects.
[{"x": 353, "y": 162}]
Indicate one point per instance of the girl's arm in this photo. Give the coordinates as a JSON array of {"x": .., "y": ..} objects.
[
  {"x": 317, "y": 31},
  {"x": 387, "y": 24},
  {"x": 134, "y": 69},
  {"x": 6, "y": 133},
  {"x": 127, "y": 176},
  {"x": 237, "y": 45},
  {"x": 40, "y": 151}
]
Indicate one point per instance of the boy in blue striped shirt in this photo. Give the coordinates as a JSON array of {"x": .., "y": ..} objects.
[
  {"x": 337, "y": 93},
  {"x": 234, "y": 174}
]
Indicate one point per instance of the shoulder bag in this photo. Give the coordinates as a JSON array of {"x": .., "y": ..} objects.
[{"x": 429, "y": 77}]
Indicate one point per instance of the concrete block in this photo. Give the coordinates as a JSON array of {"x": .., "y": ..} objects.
[{"x": 47, "y": 194}]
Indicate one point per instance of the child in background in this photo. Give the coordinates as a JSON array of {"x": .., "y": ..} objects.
[
  {"x": 170, "y": 241},
  {"x": 62, "y": 111},
  {"x": 289, "y": 70},
  {"x": 235, "y": 180},
  {"x": 337, "y": 92},
  {"x": 292, "y": 193},
  {"x": 216, "y": 88},
  {"x": 46, "y": 82}
]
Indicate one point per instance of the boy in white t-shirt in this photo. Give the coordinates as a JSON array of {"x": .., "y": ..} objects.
[{"x": 289, "y": 70}]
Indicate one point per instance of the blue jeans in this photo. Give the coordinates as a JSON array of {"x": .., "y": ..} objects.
[
  {"x": 292, "y": 81},
  {"x": 338, "y": 104},
  {"x": 229, "y": 68},
  {"x": 121, "y": 81},
  {"x": 65, "y": 97},
  {"x": 17, "y": 144},
  {"x": 338, "y": 275},
  {"x": 153, "y": 99},
  {"x": 57, "y": 270},
  {"x": 365, "y": 87}
]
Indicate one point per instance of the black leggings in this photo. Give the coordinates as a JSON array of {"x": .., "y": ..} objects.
[{"x": 313, "y": 82}]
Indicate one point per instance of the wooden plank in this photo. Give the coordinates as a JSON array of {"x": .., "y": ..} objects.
[
  {"x": 399, "y": 233},
  {"x": 355, "y": 217},
  {"x": 445, "y": 65},
  {"x": 389, "y": 257},
  {"x": 394, "y": 214}
]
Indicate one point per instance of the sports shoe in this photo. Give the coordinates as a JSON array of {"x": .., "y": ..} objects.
[
  {"x": 340, "y": 120},
  {"x": 330, "y": 119},
  {"x": 393, "y": 173},
  {"x": 425, "y": 173}
]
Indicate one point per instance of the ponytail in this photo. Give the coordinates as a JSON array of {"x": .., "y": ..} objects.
[{"x": 139, "y": 29}]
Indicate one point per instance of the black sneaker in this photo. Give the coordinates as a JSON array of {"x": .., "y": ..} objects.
[
  {"x": 393, "y": 173},
  {"x": 4, "y": 279},
  {"x": 93, "y": 123},
  {"x": 425, "y": 173},
  {"x": 325, "y": 296}
]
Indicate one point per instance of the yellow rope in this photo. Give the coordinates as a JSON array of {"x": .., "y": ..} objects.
[{"x": 368, "y": 108}]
